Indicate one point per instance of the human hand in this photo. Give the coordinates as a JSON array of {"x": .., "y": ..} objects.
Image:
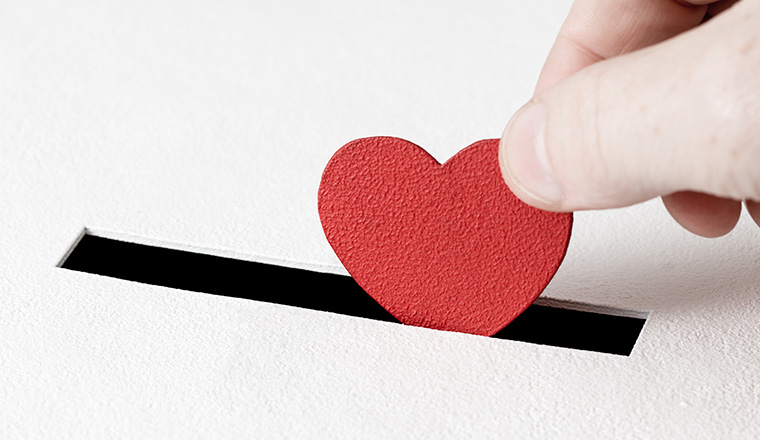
[{"x": 645, "y": 98}]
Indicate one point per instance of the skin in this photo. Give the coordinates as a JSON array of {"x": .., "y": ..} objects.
[{"x": 641, "y": 99}]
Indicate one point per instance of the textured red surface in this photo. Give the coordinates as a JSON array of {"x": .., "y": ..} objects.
[{"x": 446, "y": 246}]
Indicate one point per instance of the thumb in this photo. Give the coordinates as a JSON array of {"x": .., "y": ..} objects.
[{"x": 681, "y": 115}]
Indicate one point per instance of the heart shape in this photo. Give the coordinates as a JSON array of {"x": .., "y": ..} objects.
[{"x": 447, "y": 247}]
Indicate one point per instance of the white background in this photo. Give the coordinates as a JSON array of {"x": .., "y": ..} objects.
[{"x": 206, "y": 125}]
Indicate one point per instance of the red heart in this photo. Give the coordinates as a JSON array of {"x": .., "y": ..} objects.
[{"x": 446, "y": 246}]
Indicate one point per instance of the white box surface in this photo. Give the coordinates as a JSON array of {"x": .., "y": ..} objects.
[{"x": 206, "y": 125}]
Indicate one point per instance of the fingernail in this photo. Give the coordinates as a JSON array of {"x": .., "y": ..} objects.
[{"x": 524, "y": 155}]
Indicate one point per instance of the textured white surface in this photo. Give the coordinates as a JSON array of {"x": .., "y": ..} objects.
[{"x": 206, "y": 124}]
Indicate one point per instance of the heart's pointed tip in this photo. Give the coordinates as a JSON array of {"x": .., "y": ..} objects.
[{"x": 475, "y": 323}]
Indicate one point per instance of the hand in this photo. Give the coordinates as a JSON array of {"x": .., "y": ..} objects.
[{"x": 645, "y": 98}]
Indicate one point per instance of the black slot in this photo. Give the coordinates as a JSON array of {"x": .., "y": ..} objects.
[{"x": 196, "y": 272}]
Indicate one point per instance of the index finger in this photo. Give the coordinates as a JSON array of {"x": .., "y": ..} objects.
[{"x": 599, "y": 29}]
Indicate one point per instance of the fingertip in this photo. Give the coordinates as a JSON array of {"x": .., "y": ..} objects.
[
  {"x": 754, "y": 210},
  {"x": 703, "y": 214},
  {"x": 524, "y": 162}
]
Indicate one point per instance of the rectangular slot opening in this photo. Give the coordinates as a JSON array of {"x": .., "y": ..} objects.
[{"x": 548, "y": 322}]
